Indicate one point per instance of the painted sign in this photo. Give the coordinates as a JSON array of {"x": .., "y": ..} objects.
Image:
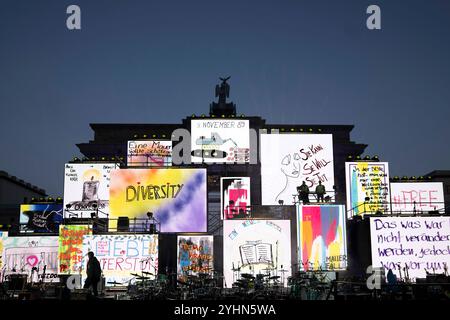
[
  {"x": 86, "y": 190},
  {"x": 149, "y": 153},
  {"x": 40, "y": 218},
  {"x": 195, "y": 256},
  {"x": 417, "y": 197},
  {"x": 176, "y": 197},
  {"x": 71, "y": 247},
  {"x": 235, "y": 197},
  {"x": 289, "y": 159}
]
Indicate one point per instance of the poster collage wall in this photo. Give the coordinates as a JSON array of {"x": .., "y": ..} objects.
[{"x": 177, "y": 199}]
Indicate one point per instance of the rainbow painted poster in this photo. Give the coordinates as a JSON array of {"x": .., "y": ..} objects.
[
  {"x": 321, "y": 237},
  {"x": 176, "y": 197},
  {"x": 70, "y": 252}
]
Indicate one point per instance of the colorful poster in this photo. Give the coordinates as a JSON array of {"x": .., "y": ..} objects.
[
  {"x": 235, "y": 197},
  {"x": 321, "y": 237},
  {"x": 35, "y": 257},
  {"x": 195, "y": 256},
  {"x": 86, "y": 189},
  {"x": 411, "y": 246},
  {"x": 149, "y": 153},
  {"x": 176, "y": 197},
  {"x": 3, "y": 237},
  {"x": 71, "y": 247},
  {"x": 256, "y": 247},
  {"x": 120, "y": 256},
  {"x": 289, "y": 159},
  {"x": 220, "y": 141},
  {"x": 367, "y": 187},
  {"x": 417, "y": 197},
  {"x": 40, "y": 218}
]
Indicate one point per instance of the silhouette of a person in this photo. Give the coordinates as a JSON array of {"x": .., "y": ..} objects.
[
  {"x": 94, "y": 273},
  {"x": 303, "y": 192},
  {"x": 320, "y": 191}
]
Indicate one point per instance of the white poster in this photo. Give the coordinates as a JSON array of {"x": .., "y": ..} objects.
[
  {"x": 35, "y": 257},
  {"x": 289, "y": 159},
  {"x": 149, "y": 153},
  {"x": 220, "y": 141},
  {"x": 86, "y": 189},
  {"x": 417, "y": 197},
  {"x": 123, "y": 255},
  {"x": 256, "y": 247},
  {"x": 411, "y": 246},
  {"x": 367, "y": 185}
]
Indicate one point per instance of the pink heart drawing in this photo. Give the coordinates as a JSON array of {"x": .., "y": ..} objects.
[{"x": 32, "y": 260}]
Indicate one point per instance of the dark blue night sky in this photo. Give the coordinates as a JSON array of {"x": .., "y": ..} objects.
[{"x": 158, "y": 62}]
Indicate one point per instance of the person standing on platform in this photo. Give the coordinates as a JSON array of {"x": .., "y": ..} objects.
[
  {"x": 94, "y": 273},
  {"x": 304, "y": 193},
  {"x": 320, "y": 191}
]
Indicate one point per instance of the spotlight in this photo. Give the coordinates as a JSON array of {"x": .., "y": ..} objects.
[
  {"x": 163, "y": 136},
  {"x": 404, "y": 178},
  {"x": 50, "y": 199},
  {"x": 421, "y": 178},
  {"x": 301, "y": 129},
  {"x": 292, "y": 129},
  {"x": 319, "y": 130},
  {"x": 367, "y": 158},
  {"x": 193, "y": 115},
  {"x": 282, "y": 129},
  {"x": 203, "y": 115},
  {"x": 396, "y": 178},
  {"x": 85, "y": 159},
  {"x": 223, "y": 116},
  {"x": 59, "y": 200},
  {"x": 413, "y": 178},
  {"x": 310, "y": 130},
  {"x": 358, "y": 157},
  {"x": 154, "y": 136},
  {"x": 135, "y": 136},
  {"x": 93, "y": 159},
  {"x": 42, "y": 199},
  {"x": 242, "y": 115},
  {"x": 144, "y": 136},
  {"x": 375, "y": 158},
  {"x": 76, "y": 159},
  {"x": 33, "y": 199}
]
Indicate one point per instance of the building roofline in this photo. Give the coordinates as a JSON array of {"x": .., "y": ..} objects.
[{"x": 22, "y": 183}]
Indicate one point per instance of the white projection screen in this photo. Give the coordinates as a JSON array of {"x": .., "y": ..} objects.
[
  {"x": 289, "y": 159},
  {"x": 220, "y": 141},
  {"x": 410, "y": 246},
  {"x": 86, "y": 185},
  {"x": 417, "y": 197},
  {"x": 256, "y": 246}
]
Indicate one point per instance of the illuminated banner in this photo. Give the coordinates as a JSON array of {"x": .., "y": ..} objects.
[
  {"x": 36, "y": 257},
  {"x": 367, "y": 180},
  {"x": 416, "y": 197},
  {"x": 40, "y": 218},
  {"x": 3, "y": 236},
  {"x": 411, "y": 246},
  {"x": 289, "y": 159},
  {"x": 176, "y": 197},
  {"x": 235, "y": 197},
  {"x": 222, "y": 141},
  {"x": 154, "y": 153},
  {"x": 195, "y": 256},
  {"x": 321, "y": 237},
  {"x": 71, "y": 247},
  {"x": 122, "y": 255},
  {"x": 86, "y": 189},
  {"x": 256, "y": 246}
]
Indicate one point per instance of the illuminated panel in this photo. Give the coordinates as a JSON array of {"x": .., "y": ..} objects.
[
  {"x": 70, "y": 252},
  {"x": 235, "y": 197},
  {"x": 23, "y": 254},
  {"x": 411, "y": 246},
  {"x": 122, "y": 255},
  {"x": 40, "y": 218},
  {"x": 176, "y": 197},
  {"x": 367, "y": 180},
  {"x": 289, "y": 159},
  {"x": 220, "y": 141},
  {"x": 417, "y": 197},
  {"x": 195, "y": 256},
  {"x": 255, "y": 246},
  {"x": 321, "y": 237},
  {"x": 85, "y": 187},
  {"x": 149, "y": 153}
]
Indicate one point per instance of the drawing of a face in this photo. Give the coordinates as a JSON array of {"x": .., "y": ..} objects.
[{"x": 290, "y": 165}]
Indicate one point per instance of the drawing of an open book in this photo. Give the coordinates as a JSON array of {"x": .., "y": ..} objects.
[{"x": 256, "y": 252}]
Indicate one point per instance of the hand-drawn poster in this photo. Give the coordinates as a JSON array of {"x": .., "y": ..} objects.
[
  {"x": 71, "y": 247},
  {"x": 40, "y": 218},
  {"x": 195, "y": 256},
  {"x": 235, "y": 197},
  {"x": 321, "y": 237},
  {"x": 220, "y": 141},
  {"x": 149, "y": 153},
  {"x": 86, "y": 189},
  {"x": 35, "y": 257},
  {"x": 411, "y": 246},
  {"x": 256, "y": 247},
  {"x": 3, "y": 236},
  {"x": 289, "y": 159},
  {"x": 176, "y": 197},
  {"x": 123, "y": 255},
  {"x": 417, "y": 197},
  {"x": 367, "y": 187}
]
